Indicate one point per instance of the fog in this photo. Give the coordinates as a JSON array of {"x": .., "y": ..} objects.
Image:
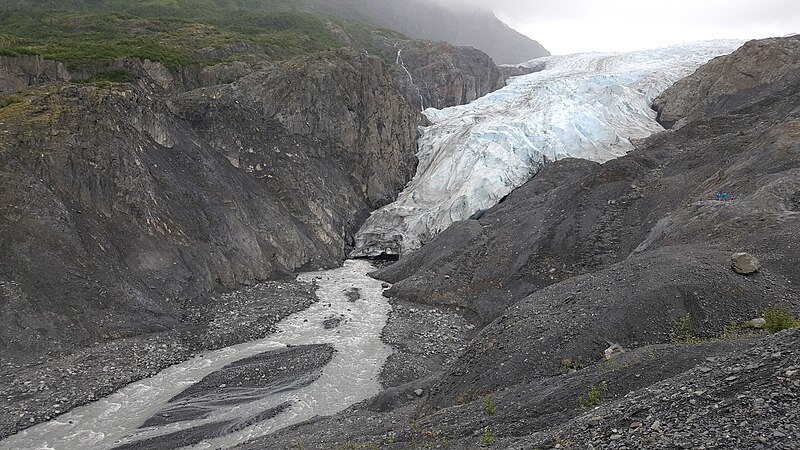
[{"x": 568, "y": 26}]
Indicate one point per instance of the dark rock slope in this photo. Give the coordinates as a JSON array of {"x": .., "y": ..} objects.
[
  {"x": 118, "y": 201},
  {"x": 724, "y": 85},
  {"x": 634, "y": 254},
  {"x": 440, "y": 75}
]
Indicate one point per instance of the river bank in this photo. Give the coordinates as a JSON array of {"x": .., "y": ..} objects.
[
  {"x": 318, "y": 361},
  {"x": 34, "y": 393}
]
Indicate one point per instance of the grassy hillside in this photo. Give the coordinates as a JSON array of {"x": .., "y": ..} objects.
[{"x": 175, "y": 32}]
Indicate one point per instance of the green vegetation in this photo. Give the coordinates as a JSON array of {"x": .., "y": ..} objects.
[
  {"x": 487, "y": 438},
  {"x": 568, "y": 365},
  {"x": 174, "y": 32},
  {"x": 489, "y": 407},
  {"x": 414, "y": 432},
  {"x": 594, "y": 396},
  {"x": 352, "y": 446},
  {"x": 778, "y": 320},
  {"x": 564, "y": 443},
  {"x": 682, "y": 334},
  {"x": 731, "y": 331},
  {"x": 8, "y": 101},
  {"x": 423, "y": 438}
]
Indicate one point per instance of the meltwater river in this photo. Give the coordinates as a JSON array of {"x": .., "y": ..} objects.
[{"x": 347, "y": 294}]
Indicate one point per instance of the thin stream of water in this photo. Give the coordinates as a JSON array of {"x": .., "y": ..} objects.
[{"x": 350, "y": 377}]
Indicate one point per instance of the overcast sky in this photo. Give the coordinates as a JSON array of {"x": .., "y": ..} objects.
[{"x": 569, "y": 26}]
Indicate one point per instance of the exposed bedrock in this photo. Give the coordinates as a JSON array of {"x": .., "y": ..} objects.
[
  {"x": 21, "y": 72},
  {"x": 118, "y": 202},
  {"x": 440, "y": 75},
  {"x": 725, "y": 84}
]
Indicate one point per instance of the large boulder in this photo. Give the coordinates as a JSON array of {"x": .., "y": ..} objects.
[{"x": 745, "y": 263}]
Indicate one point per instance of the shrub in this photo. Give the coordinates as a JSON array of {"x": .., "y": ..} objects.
[
  {"x": 488, "y": 406},
  {"x": 8, "y": 101},
  {"x": 730, "y": 331},
  {"x": 682, "y": 334},
  {"x": 778, "y": 320},
  {"x": 113, "y": 76},
  {"x": 487, "y": 438},
  {"x": 594, "y": 396}
]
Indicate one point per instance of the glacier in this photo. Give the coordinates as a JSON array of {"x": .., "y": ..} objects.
[{"x": 588, "y": 105}]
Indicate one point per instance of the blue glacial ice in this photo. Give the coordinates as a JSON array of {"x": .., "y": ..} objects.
[{"x": 582, "y": 106}]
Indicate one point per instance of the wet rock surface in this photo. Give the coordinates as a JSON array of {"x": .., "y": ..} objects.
[
  {"x": 440, "y": 75},
  {"x": 239, "y": 383},
  {"x": 272, "y": 371},
  {"x": 196, "y": 435}
]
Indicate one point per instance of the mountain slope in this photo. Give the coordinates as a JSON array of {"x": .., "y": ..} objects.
[
  {"x": 478, "y": 28},
  {"x": 279, "y": 28},
  {"x": 633, "y": 254}
]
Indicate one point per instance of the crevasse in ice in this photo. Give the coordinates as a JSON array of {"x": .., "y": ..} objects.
[{"x": 582, "y": 106}]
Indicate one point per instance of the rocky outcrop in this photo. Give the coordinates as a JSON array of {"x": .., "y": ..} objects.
[
  {"x": 725, "y": 84},
  {"x": 21, "y": 72},
  {"x": 516, "y": 71},
  {"x": 132, "y": 199},
  {"x": 18, "y": 73},
  {"x": 440, "y": 75}
]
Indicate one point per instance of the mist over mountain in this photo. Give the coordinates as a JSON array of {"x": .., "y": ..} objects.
[{"x": 453, "y": 22}]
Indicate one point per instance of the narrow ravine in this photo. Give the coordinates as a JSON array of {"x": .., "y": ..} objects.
[{"x": 348, "y": 318}]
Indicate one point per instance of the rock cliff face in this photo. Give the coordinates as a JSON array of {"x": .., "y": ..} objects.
[
  {"x": 726, "y": 84},
  {"x": 131, "y": 199},
  {"x": 18, "y": 73},
  {"x": 440, "y": 75},
  {"x": 24, "y": 71}
]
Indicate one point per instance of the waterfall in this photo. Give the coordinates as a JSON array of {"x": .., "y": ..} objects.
[{"x": 399, "y": 61}]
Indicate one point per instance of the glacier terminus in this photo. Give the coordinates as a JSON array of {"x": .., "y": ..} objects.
[{"x": 587, "y": 106}]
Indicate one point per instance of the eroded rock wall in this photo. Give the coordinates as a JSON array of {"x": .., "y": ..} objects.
[{"x": 121, "y": 201}]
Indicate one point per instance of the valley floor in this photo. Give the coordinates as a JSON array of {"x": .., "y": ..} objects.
[{"x": 39, "y": 391}]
